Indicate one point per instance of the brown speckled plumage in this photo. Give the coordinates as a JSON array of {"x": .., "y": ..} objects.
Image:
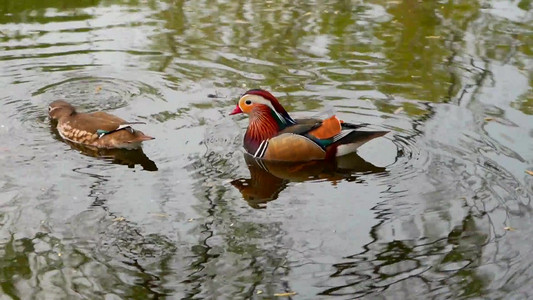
[{"x": 83, "y": 128}]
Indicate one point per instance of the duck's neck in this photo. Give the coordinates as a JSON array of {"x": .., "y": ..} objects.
[{"x": 264, "y": 124}]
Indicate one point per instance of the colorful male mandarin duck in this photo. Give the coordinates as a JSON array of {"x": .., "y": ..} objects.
[
  {"x": 98, "y": 129},
  {"x": 273, "y": 135}
]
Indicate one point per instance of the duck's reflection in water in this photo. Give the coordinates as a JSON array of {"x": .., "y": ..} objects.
[{"x": 269, "y": 178}]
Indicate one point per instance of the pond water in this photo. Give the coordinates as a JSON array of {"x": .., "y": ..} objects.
[{"x": 438, "y": 208}]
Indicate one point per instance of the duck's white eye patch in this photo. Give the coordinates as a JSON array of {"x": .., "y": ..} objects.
[{"x": 49, "y": 108}]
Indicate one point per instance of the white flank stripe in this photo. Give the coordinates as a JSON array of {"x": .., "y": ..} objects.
[
  {"x": 259, "y": 148},
  {"x": 264, "y": 149}
]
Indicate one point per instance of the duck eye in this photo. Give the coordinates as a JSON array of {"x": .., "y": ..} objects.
[
  {"x": 248, "y": 102},
  {"x": 49, "y": 108}
]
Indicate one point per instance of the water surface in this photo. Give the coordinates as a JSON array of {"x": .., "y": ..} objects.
[{"x": 439, "y": 208}]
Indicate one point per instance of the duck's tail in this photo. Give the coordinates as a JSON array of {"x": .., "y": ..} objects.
[
  {"x": 140, "y": 137},
  {"x": 349, "y": 140}
]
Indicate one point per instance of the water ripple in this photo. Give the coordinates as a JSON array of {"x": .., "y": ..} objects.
[
  {"x": 438, "y": 208},
  {"x": 97, "y": 92}
]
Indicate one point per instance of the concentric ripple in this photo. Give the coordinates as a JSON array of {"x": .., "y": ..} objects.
[{"x": 91, "y": 93}]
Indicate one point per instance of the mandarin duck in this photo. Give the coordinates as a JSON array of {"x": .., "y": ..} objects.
[
  {"x": 273, "y": 134},
  {"x": 98, "y": 129}
]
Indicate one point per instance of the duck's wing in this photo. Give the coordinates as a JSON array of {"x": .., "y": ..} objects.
[
  {"x": 302, "y": 126},
  {"x": 311, "y": 133},
  {"x": 100, "y": 123},
  {"x": 316, "y": 129},
  {"x": 320, "y": 129},
  {"x": 314, "y": 139},
  {"x": 106, "y": 117}
]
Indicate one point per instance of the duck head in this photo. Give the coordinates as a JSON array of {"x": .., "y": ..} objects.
[
  {"x": 257, "y": 99},
  {"x": 60, "y": 109}
]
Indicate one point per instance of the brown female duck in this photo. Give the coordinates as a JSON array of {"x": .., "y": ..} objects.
[{"x": 98, "y": 129}]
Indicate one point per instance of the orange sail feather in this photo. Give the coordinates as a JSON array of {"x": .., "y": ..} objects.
[{"x": 329, "y": 128}]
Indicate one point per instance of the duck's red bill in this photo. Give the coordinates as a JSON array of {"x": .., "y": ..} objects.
[{"x": 237, "y": 110}]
